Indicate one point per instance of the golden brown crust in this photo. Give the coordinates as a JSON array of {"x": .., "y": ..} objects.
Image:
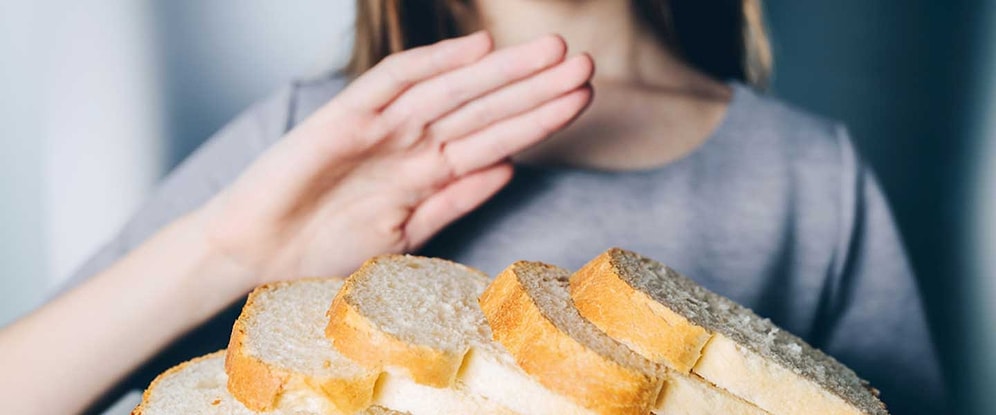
[
  {"x": 250, "y": 380},
  {"x": 607, "y": 293},
  {"x": 359, "y": 339},
  {"x": 633, "y": 318},
  {"x": 558, "y": 361},
  {"x": 259, "y": 385},
  {"x": 147, "y": 395}
]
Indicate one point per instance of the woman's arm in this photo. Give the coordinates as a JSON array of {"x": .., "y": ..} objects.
[
  {"x": 61, "y": 357},
  {"x": 418, "y": 141}
]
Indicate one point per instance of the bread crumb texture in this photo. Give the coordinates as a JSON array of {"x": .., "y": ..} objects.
[
  {"x": 787, "y": 357},
  {"x": 623, "y": 335}
]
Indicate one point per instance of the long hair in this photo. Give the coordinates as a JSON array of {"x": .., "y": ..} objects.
[{"x": 725, "y": 39}]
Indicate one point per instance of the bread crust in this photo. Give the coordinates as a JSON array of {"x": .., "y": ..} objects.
[
  {"x": 147, "y": 395},
  {"x": 664, "y": 336},
  {"x": 627, "y": 313},
  {"x": 250, "y": 380},
  {"x": 558, "y": 361},
  {"x": 359, "y": 339},
  {"x": 259, "y": 385}
]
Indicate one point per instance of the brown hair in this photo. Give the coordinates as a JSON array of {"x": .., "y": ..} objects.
[{"x": 725, "y": 39}]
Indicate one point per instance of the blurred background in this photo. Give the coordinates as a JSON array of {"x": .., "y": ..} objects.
[{"x": 99, "y": 99}]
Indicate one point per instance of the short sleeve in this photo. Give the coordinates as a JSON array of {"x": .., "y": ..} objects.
[
  {"x": 877, "y": 324},
  {"x": 214, "y": 165}
]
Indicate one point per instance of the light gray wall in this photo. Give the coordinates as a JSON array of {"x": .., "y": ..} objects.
[
  {"x": 22, "y": 248},
  {"x": 101, "y": 97},
  {"x": 221, "y": 55},
  {"x": 102, "y": 124}
]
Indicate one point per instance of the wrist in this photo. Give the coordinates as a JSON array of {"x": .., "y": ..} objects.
[{"x": 215, "y": 277}]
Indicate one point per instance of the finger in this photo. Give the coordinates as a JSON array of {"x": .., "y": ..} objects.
[
  {"x": 505, "y": 138},
  {"x": 396, "y": 73},
  {"x": 453, "y": 201},
  {"x": 514, "y": 99},
  {"x": 429, "y": 100}
]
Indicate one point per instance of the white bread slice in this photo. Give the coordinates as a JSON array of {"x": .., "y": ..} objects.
[
  {"x": 198, "y": 387},
  {"x": 529, "y": 309},
  {"x": 560, "y": 323},
  {"x": 419, "y": 317},
  {"x": 278, "y": 356},
  {"x": 401, "y": 393},
  {"x": 691, "y": 395},
  {"x": 671, "y": 320}
]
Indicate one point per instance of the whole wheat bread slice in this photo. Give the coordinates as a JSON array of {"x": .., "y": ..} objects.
[
  {"x": 671, "y": 320},
  {"x": 280, "y": 356},
  {"x": 419, "y": 318},
  {"x": 198, "y": 387}
]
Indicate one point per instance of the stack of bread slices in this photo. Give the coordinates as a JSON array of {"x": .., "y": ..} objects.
[{"x": 404, "y": 334}]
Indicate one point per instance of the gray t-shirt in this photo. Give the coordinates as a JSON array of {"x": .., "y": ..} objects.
[{"x": 775, "y": 210}]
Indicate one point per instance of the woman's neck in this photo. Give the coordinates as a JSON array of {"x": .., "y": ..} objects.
[
  {"x": 624, "y": 50},
  {"x": 650, "y": 107}
]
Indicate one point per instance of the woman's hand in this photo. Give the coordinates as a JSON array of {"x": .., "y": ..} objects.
[{"x": 416, "y": 142}]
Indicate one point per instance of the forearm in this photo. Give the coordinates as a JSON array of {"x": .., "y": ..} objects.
[
  {"x": 318, "y": 202},
  {"x": 80, "y": 344}
]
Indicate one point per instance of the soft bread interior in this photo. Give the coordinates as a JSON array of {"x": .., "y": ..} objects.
[
  {"x": 490, "y": 371},
  {"x": 401, "y": 393},
  {"x": 765, "y": 382},
  {"x": 193, "y": 387},
  {"x": 530, "y": 312},
  {"x": 283, "y": 328},
  {"x": 419, "y": 317},
  {"x": 692, "y": 395},
  {"x": 429, "y": 336},
  {"x": 280, "y": 358},
  {"x": 744, "y": 353},
  {"x": 199, "y": 387},
  {"x": 417, "y": 314}
]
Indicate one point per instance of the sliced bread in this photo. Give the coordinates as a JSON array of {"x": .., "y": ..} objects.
[
  {"x": 198, "y": 387},
  {"x": 407, "y": 315},
  {"x": 419, "y": 318},
  {"x": 401, "y": 393},
  {"x": 279, "y": 355},
  {"x": 279, "y": 358},
  {"x": 673, "y": 321},
  {"x": 689, "y": 394},
  {"x": 529, "y": 309}
]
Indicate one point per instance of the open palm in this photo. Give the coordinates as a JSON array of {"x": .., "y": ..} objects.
[{"x": 416, "y": 142}]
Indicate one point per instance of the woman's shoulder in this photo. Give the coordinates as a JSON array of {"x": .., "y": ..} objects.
[
  {"x": 768, "y": 126},
  {"x": 767, "y": 114}
]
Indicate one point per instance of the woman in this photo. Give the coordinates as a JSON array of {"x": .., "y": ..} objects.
[{"x": 753, "y": 199}]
